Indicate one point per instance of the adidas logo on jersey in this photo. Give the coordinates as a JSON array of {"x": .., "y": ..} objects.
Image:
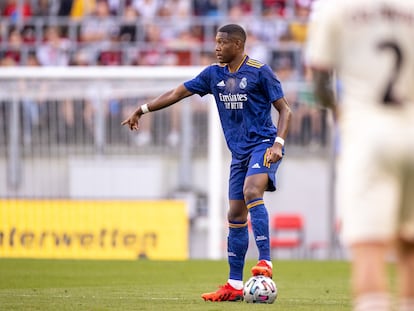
[
  {"x": 221, "y": 83},
  {"x": 256, "y": 165}
]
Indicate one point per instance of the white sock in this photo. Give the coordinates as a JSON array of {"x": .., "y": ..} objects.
[
  {"x": 236, "y": 284},
  {"x": 406, "y": 304},
  {"x": 373, "y": 302}
]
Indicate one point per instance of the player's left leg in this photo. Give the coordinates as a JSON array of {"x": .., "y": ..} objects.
[
  {"x": 368, "y": 205},
  {"x": 369, "y": 280},
  {"x": 254, "y": 188},
  {"x": 260, "y": 178}
]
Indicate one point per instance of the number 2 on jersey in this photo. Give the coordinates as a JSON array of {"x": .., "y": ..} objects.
[{"x": 389, "y": 97}]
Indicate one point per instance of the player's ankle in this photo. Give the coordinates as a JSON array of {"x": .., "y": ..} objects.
[{"x": 236, "y": 284}]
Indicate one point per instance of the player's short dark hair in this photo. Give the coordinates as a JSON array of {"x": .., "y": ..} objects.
[{"x": 234, "y": 30}]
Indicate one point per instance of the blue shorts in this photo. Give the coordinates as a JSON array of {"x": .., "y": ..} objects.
[{"x": 251, "y": 165}]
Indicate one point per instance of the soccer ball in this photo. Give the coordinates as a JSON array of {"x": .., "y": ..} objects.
[{"x": 260, "y": 289}]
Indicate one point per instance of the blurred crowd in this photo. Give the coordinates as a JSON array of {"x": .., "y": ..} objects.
[
  {"x": 141, "y": 32},
  {"x": 161, "y": 32}
]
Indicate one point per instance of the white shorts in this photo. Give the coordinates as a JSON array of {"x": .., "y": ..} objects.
[{"x": 375, "y": 181}]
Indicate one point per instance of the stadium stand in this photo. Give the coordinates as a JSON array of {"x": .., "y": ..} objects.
[{"x": 160, "y": 32}]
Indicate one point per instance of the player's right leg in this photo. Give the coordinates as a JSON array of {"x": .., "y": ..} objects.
[
  {"x": 405, "y": 266},
  {"x": 237, "y": 244},
  {"x": 237, "y": 239}
]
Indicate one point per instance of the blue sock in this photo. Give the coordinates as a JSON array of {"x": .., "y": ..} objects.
[
  {"x": 259, "y": 218},
  {"x": 237, "y": 244}
]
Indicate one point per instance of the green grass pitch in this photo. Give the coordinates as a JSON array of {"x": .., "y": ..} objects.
[{"x": 78, "y": 285}]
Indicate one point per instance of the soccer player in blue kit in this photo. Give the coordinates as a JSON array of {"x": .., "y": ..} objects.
[{"x": 244, "y": 91}]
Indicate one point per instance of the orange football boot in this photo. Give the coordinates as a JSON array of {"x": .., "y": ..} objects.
[
  {"x": 224, "y": 293},
  {"x": 262, "y": 268}
]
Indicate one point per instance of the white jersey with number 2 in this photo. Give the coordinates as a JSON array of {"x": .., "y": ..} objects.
[
  {"x": 370, "y": 43},
  {"x": 370, "y": 46}
]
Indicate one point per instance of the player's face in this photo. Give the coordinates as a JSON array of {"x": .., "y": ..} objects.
[{"x": 226, "y": 47}]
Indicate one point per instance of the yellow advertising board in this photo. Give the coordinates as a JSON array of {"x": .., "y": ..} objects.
[{"x": 94, "y": 229}]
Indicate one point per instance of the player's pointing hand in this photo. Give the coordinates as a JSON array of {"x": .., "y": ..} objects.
[{"x": 132, "y": 122}]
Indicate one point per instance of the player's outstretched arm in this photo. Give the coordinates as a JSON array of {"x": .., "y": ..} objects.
[{"x": 164, "y": 100}]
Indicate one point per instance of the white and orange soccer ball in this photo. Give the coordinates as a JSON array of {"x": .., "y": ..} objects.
[{"x": 260, "y": 289}]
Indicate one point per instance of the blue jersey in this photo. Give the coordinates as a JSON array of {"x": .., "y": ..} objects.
[{"x": 244, "y": 100}]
